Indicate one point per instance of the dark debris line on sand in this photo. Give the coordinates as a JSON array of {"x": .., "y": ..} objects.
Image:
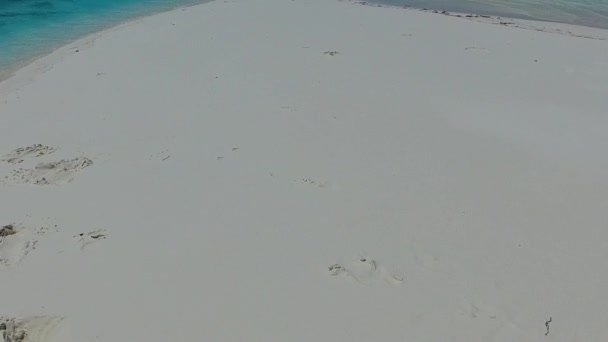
[{"x": 547, "y": 325}]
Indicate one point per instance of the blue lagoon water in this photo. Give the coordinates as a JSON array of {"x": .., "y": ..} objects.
[
  {"x": 29, "y": 28},
  {"x": 577, "y": 12}
]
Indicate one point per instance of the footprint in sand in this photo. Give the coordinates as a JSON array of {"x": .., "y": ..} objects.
[
  {"x": 476, "y": 309},
  {"x": 365, "y": 270},
  {"x": 30, "y": 329},
  {"x": 160, "y": 155},
  {"x": 313, "y": 182},
  {"x": 499, "y": 326},
  {"x": 42, "y": 173},
  {"x": 16, "y": 242},
  {"x": 59, "y": 172},
  {"x": 85, "y": 239},
  {"x": 19, "y": 155},
  {"x": 476, "y": 49}
]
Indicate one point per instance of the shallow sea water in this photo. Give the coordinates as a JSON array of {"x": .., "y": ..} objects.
[
  {"x": 577, "y": 12},
  {"x": 30, "y": 28}
]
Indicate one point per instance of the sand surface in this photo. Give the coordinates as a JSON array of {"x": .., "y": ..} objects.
[{"x": 274, "y": 170}]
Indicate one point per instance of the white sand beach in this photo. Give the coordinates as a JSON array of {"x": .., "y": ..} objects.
[{"x": 317, "y": 170}]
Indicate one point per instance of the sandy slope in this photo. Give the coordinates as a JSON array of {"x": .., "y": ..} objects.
[{"x": 211, "y": 174}]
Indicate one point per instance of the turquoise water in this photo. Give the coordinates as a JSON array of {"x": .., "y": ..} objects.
[
  {"x": 578, "y": 12},
  {"x": 29, "y": 28}
]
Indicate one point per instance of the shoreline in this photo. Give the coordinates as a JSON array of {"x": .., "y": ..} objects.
[
  {"x": 9, "y": 72},
  {"x": 547, "y": 26},
  {"x": 522, "y": 16},
  {"x": 578, "y": 31}
]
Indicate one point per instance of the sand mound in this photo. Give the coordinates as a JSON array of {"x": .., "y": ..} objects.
[
  {"x": 42, "y": 173},
  {"x": 364, "y": 270},
  {"x": 31, "y": 329},
  {"x": 59, "y": 172},
  {"x": 34, "y": 151},
  {"x": 16, "y": 243},
  {"x": 17, "y": 240}
]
